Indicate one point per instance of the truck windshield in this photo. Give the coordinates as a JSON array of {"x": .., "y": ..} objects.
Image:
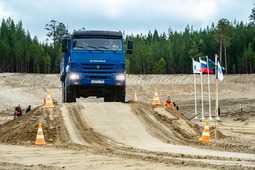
[{"x": 94, "y": 44}]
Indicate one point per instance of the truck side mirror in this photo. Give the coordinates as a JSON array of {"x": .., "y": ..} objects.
[
  {"x": 64, "y": 45},
  {"x": 130, "y": 44},
  {"x": 130, "y": 47},
  {"x": 129, "y": 51}
]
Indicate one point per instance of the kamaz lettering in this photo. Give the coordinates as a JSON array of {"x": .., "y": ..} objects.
[{"x": 97, "y": 61}]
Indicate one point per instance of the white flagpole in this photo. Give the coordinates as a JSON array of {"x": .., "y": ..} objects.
[
  {"x": 216, "y": 104},
  {"x": 218, "y": 118},
  {"x": 202, "y": 118},
  {"x": 195, "y": 91},
  {"x": 210, "y": 115}
]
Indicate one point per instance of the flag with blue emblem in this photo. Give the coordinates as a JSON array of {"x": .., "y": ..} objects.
[
  {"x": 196, "y": 67},
  {"x": 220, "y": 73}
]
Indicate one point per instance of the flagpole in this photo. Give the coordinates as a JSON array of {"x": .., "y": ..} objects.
[
  {"x": 195, "y": 91},
  {"x": 218, "y": 117},
  {"x": 216, "y": 95},
  {"x": 202, "y": 118},
  {"x": 210, "y": 115}
]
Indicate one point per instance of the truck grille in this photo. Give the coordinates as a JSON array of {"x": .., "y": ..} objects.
[
  {"x": 97, "y": 77},
  {"x": 100, "y": 67}
]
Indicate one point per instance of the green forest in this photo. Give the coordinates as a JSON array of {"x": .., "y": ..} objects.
[{"x": 153, "y": 53}]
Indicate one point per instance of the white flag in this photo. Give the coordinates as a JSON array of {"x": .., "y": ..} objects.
[
  {"x": 196, "y": 67},
  {"x": 220, "y": 73}
]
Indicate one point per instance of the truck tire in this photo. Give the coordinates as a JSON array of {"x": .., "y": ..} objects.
[
  {"x": 106, "y": 99},
  {"x": 120, "y": 94},
  {"x": 69, "y": 94},
  {"x": 109, "y": 98},
  {"x": 63, "y": 91}
]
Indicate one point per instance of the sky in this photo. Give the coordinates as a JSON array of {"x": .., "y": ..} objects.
[{"x": 131, "y": 16}]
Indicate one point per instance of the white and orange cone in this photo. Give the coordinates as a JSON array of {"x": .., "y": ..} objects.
[
  {"x": 206, "y": 133},
  {"x": 49, "y": 103},
  {"x": 156, "y": 98},
  {"x": 134, "y": 97},
  {"x": 40, "y": 137}
]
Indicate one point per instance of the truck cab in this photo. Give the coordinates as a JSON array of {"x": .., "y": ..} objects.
[{"x": 93, "y": 64}]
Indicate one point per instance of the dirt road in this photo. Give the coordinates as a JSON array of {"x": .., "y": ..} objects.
[
  {"x": 131, "y": 135},
  {"x": 117, "y": 125},
  {"x": 27, "y": 157}
]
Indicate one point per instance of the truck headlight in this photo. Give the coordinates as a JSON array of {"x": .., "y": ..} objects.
[
  {"x": 74, "y": 76},
  {"x": 120, "y": 77}
]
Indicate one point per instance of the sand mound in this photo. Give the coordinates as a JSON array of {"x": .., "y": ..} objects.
[{"x": 23, "y": 130}]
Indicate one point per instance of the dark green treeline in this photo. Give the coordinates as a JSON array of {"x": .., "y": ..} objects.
[
  {"x": 171, "y": 53},
  {"x": 21, "y": 53}
]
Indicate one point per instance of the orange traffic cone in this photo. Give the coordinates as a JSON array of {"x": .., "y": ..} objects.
[
  {"x": 134, "y": 97},
  {"x": 49, "y": 103},
  {"x": 44, "y": 101},
  {"x": 206, "y": 134},
  {"x": 39, "y": 137},
  {"x": 156, "y": 98}
]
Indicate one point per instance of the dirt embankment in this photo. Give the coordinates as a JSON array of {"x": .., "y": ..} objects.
[
  {"x": 23, "y": 130},
  {"x": 234, "y": 90}
]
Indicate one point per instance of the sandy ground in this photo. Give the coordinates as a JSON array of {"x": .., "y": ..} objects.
[
  {"x": 38, "y": 158},
  {"x": 131, "y": 135}
]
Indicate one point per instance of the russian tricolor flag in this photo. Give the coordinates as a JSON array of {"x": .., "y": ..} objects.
[{"x": 204, "y": 68}]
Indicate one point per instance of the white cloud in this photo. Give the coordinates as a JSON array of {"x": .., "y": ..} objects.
[{"x": 4, "y": 13}]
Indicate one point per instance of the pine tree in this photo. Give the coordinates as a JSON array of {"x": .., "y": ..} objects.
[
  {"x": 161, "y": 69},
  {"x": 252, "y": 15}
]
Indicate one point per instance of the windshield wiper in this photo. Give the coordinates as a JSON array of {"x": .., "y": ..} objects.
[
  {"x": 103, "y": 47},
  {"x": 107, "y": 49},
  {"x": 95, "y": 48},
  {"x": 79, "y": 46}
]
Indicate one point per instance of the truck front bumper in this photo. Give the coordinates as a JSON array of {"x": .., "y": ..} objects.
[{"x": 85, "y": 79}]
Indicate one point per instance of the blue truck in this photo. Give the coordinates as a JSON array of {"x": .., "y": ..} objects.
[{"x": 93, "y": 64}]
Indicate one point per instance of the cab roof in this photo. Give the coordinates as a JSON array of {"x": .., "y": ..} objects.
[{"x": 103, "y": 34}]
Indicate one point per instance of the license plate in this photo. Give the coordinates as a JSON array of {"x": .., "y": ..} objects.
[{"x": 97, "y": 81}]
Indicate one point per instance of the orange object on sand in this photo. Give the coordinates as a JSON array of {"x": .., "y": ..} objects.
[
  {"x": 40, "y": 137},
  {"x": 49, "y": 103},
  {"x": 134, "y": 97},
  {"x": 156, "y": 98},
  {"x": 206, "y": 134},
  {"x": 44, "y": 101}
]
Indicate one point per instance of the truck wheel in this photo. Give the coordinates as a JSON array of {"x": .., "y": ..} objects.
[
  {"x": 69, "y": 94},
  {"x": 109, "y": 98},
  {"x": 120, "y": 94},
  {"x": 106, "y": 99},
  {"x": 63, "y": 91}
]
